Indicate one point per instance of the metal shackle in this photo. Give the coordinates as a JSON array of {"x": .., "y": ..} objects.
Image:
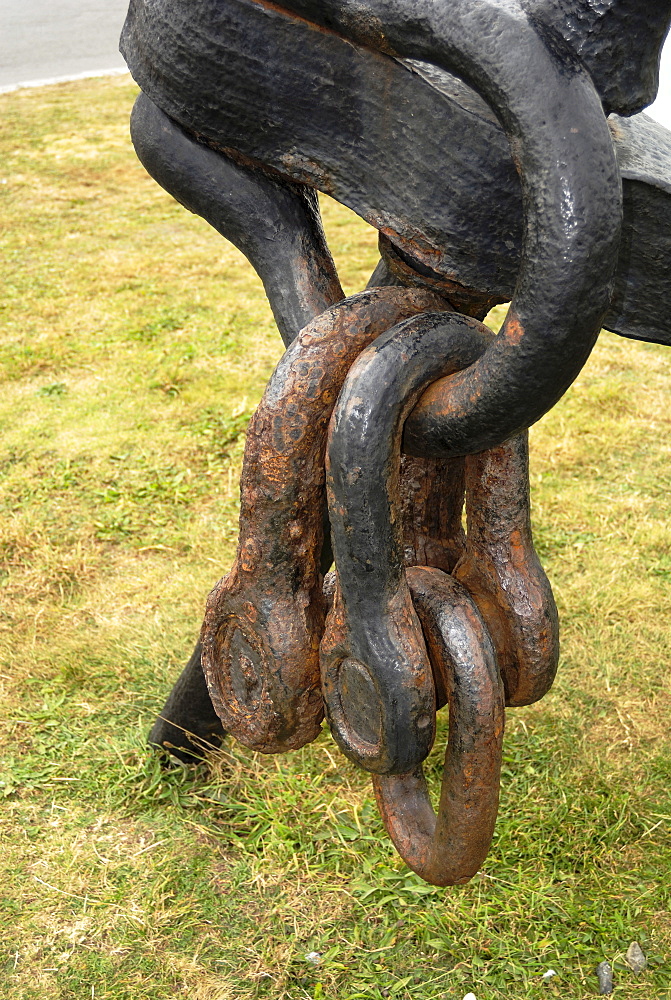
[
  {"x": 264, "y": 620},
  {"x": 495, "y": 560},
  {"x": 449, "y": 848},
  {"x": 502, "y": 572},
  {"x": 376, "y": 675}
]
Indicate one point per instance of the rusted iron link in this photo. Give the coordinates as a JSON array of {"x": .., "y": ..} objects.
[
  {"x": 449, "y": 848},
  {"x": 264, "y": 620},
  {"x": 495, "y": 612},
  {"x": 376, "y": 676},
  {"x": 394, "y": 268},
  {"x": 502, "y": 572}
]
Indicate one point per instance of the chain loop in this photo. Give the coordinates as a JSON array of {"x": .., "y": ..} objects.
[
  {"x": 449, "y": 848},
  {"x": 400, "y": 642},
  {"x": 376, "y": 676},
  {"x": 263, "y": 621},
  {"x": 422, "y": 613}
]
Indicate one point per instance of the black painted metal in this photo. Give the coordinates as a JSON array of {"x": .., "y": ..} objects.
[
  {"x": 562, "y": 148},
  {"x": 188, "y": 726},
  {"x": 432, "y": 169},
  {"x": 618, "y": 41}
]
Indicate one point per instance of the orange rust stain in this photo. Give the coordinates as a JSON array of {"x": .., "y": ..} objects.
[
  {"x": 250, "y": 553},
  {"x": 377, "y": 44},
  {"x": 295, "y": 17},
  {"x": 514, "y": 330}
]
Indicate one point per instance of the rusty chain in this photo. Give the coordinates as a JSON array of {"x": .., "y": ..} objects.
[
  {"x": 422, "y": 614},
  {"x": 264, "y": 620},
  {"x": 491, "y": 176}
]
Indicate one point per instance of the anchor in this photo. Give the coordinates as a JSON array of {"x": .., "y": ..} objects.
[{"x": 498, "y": 148}]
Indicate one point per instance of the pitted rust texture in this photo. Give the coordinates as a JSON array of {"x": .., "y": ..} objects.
[
  {"x": 449, "y": 848},
  {"x": 264, "y": 620},
  {"x": 376, "y": 676},
  {"x": 495, "y": 560},
  {"x": 431, "y": 501},
  {"x": 503, "y": 574},
  {"x": 431, "y": 494}
]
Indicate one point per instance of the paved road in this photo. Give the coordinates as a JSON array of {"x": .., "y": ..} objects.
[{"x": 46, "y": 39}]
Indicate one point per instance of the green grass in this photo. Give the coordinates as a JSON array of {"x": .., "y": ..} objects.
[{"x": 134, "y": 345}]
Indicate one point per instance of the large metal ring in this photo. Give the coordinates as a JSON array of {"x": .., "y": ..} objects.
[
  {"x": 563, "y": 151},
  {"x": 448, "y": 849}
]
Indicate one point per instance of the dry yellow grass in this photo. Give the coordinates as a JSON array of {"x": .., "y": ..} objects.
[{"x": 134, "y": 343}]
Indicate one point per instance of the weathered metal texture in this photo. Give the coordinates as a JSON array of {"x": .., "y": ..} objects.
[
  {"x": 619, "y": 42},
  {"x": 172, "y": 43},
  {"x": 264, "y": 620},
  {"x": 473, "y": 136},
  {"x": 496, "y": 561},
  {"x": 642, "y": 279},
  {"x": 376, "y": 676},
  {"x": 570, "y": 183},
  {"x": 397, "y": 534},
  {"x": 431, "y": 500},
  {"x": 501, "y": 571},
  {"x": 449, "y": 848},
  {"x": 431, "y": 495},
  {"x": 430, "y": 166},
  {"x": 395, "y": 269}
]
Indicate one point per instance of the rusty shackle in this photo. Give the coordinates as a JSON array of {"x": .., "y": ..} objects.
[
  {"x": 411, "y": 637},
  {"x": 449, "y": 847},
  {"x": 264, "y": 620},
  {"x": 376, "y": 675},
  {"x": 502, "y": 572}
]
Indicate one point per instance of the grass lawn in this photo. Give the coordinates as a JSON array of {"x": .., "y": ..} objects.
[{"x": 134, "y": 344}]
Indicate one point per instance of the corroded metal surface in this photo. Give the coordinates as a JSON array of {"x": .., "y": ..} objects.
[
  {"x": 403, "y": 637},
  {"x": 431, "y": 502},
  {"x": 449, "y": 848},
  {"x": 503, "y": 574},
  {"x": 376, "y": 675},
  {"x": 264, "y": 620},
  {"x": 473, "y": 136}
]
